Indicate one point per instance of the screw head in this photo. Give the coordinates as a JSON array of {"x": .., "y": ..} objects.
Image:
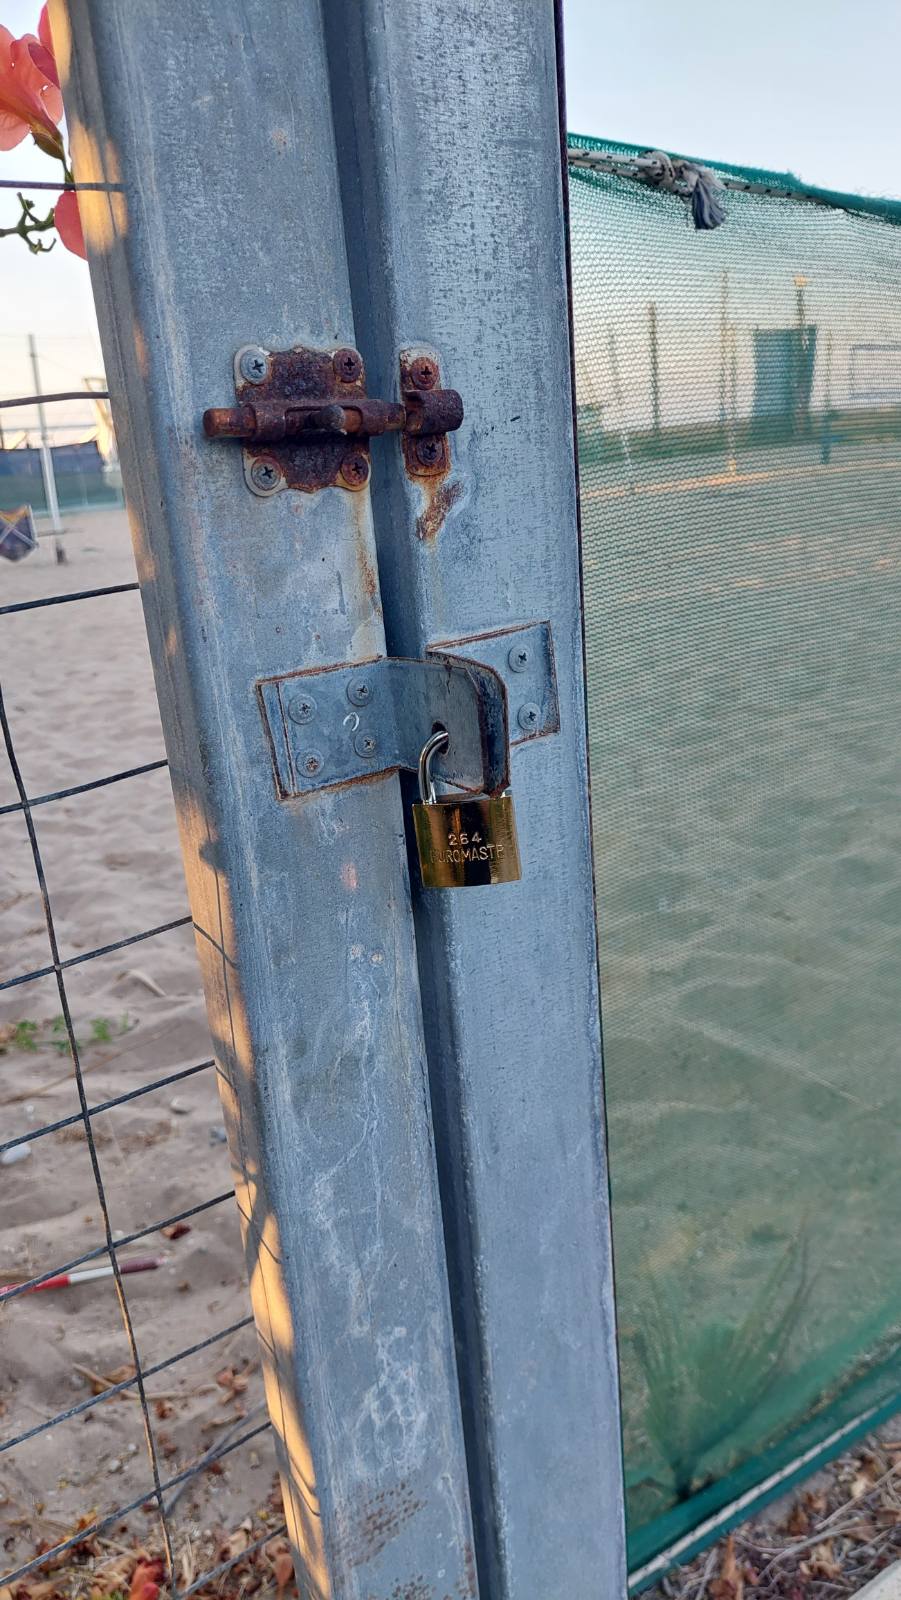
[
  {"x": 302, "y": 707},
  {"x": 253, "y": 364},
  {"x": 359, "y": 691},
  {"x": 423, "y": 372},
  {"x": 518, "y": 658},
  {"x": 312, "y": 763},
  {"x": 528, "y": 716},
  {"x": 265, "y": 475},
  {"x": 429, "y": 450},
  {"x": 366, "y": 744},
  {"x": 348, "y": 365},
  {"x": 355, "y": 470}
]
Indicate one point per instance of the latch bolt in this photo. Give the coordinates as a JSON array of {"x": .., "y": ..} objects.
[{"x": 306, "y": 420}]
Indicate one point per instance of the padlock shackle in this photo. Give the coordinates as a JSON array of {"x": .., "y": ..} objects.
[{"x": 438, "y": 741}]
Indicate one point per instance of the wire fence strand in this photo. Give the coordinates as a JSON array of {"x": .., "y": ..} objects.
[
  {"x": 124, "y": 1385},
  {"x": 90, "y": 955},
  {"x": 118, "y": 1244},
  {"x": 226, "y": 1566},
  {"x": 64, "y": 599},
  {"x": 81, "y": 1091},
  {"x": 108, "y": 1105},
  {"x": 59, "y": 188},
  {"x": 161, "y": 1493},
  {"x": 85, "y": 788},
  {"x": 158, "y": 1489},
  {"x": 18, "y": 400}
]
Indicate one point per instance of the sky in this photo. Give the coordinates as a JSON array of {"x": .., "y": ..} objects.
[
  {"x": 805, "y": 85},
  {"x": 808, "y": 86}
]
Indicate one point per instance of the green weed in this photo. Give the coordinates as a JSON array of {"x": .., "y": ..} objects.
[{"x": 30, "y": 1036}]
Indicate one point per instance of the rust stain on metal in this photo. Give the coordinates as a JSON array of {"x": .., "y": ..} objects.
[
  {"x": 432, "y": 413},
  {"x": 468, "y": 1587},
  {"x": 370, "y": 584},
  {"x": 369, "y": 577},
  {"x": 419, "y": 1588},
  {"x": 380, "y": 1520},
  {"x": 440, "y": 500}
]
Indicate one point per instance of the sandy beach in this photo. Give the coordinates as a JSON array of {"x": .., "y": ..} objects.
[{"x": 80, "y": 700}]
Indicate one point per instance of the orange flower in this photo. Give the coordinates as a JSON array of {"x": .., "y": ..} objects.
[
  {"x": 41, "y": 49},
  {"x": 30, "y": 101},
  {"x": 68, "y": 223}
]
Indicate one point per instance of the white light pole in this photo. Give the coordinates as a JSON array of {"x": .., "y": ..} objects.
[{"x": 47, "y": 458}]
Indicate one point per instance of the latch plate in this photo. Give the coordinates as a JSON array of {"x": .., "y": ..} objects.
[
  {"x": 524, "y": 658},
  {"x": 304, "y": 418},
  {"x": 337, "y": 725},
  {"x": 310, "y": 382}
]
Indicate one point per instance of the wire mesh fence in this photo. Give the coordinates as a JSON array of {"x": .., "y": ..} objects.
[{"x": 76, "y": 1502}]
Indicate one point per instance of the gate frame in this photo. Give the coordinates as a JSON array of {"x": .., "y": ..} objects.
[{"x": 398, "y": 166}]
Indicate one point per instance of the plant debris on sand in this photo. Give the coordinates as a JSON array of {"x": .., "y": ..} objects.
[
  {"x": 828, "y": 1542},
  {"x": 107, "y": 1567}
]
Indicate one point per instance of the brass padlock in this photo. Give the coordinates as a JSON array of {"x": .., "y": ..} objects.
[{"x": 463, "y": 842}]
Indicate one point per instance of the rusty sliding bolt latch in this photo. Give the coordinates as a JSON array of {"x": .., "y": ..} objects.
[{"x": 305, "y": 419}]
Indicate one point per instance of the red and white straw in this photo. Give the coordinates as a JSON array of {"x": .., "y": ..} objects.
[{"x": 65, "y": 1280}]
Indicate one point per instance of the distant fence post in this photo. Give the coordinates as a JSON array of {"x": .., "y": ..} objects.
[
  {"x": 47, "y": 471},
  {"x": 221, "y": 225}
]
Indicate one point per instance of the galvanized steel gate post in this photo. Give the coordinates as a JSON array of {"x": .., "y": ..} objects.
[{"x": 384, "y": 174}]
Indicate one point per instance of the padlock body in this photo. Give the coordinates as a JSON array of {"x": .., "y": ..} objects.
[{"x": 463, "y": 843}]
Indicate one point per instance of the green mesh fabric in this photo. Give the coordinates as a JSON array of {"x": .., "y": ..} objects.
[{"x": 739, "y": 405}]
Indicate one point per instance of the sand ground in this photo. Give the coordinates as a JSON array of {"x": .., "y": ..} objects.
[
  {"x": 745, "y": 726},
  {"x": 80, "y": 700}
]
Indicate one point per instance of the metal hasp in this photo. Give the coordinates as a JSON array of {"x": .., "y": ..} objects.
[
  {"x": 338, "y": 725},
  {"x": 305, "y": 419}
]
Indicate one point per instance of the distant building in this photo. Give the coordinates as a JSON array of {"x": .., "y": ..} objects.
[
  {"x": 82, "y": 477},
  {"x": 784, "y": 361}
]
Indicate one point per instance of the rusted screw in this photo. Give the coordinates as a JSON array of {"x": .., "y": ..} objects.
[
  {"x": 265, "y": 475},
  {"x": 429, "y": 450},
  {"x": 301, "y": 708},
  {"x": 355, "y": 470},
  {"x": 423, "y": 373},
  {"x": 348, "y": 365},
  {"x": 366, "y": 744},
  {"x": 528, "y": 717},
  {"x": 253, "y": 364},
  {"x": 312, "y": 763}
]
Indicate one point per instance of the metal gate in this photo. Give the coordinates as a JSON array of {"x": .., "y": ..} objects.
[{"x": 317, "y": 234}]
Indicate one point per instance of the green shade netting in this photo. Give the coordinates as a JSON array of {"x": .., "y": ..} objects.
[{"x": 739, "y": 408}]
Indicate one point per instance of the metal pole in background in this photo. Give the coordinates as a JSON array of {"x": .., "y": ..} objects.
[
  {"x": 301, "y": 907},
  {"x": 47, "y": 459},
  {"x": 728, "y": 376},
  {"x": 654, "y": 358}
]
